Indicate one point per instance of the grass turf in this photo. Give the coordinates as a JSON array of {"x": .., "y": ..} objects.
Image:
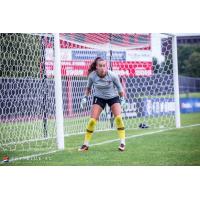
[{"x": 172, "y": 147}]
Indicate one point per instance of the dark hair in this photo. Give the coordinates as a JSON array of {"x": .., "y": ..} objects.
[{"x": 94, "y": 64}]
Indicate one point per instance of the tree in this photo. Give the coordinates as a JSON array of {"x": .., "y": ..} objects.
[
  {"x": 193, "y": 64},
  {"x": 20, "y": 55},
  {"x": 188, "y": 62}
]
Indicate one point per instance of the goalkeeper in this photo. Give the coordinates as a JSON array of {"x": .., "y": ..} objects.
[{"x": 107, "y": 90}]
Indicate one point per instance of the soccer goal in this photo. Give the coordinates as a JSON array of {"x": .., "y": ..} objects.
[
  {"x": 43, "y": 77},
  {"x": 147, "y": 67},
  {"x": 30, "y": 101}
]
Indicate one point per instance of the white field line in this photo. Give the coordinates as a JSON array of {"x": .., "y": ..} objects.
[
  {"x": 142, "y": 134},
  {"x": 102, "y": 143},
  {"x": 32, "y": 156}
]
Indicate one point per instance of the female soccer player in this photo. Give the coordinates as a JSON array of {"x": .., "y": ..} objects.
[{"x": 107, "y": 90}]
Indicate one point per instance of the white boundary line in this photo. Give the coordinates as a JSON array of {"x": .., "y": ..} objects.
[
  {"x": 102, "y": 143},
  {"x": 143, "y": 134},
  {"x": 32, "y": 156}
]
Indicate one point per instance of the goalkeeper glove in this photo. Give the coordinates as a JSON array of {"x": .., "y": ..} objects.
[
  {"x": 83, "y": 102},
  {"x": 123, "y": 103}
]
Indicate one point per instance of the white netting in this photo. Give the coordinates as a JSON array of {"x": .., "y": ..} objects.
[
  {"x": 27, "y": 89},
  {"x": 27, "y": 102},
  {"x": 107, "y": 41},
  {"x": 144, "y": 64}
]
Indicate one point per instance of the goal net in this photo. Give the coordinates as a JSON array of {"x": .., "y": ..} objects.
[
  {"x": 27, "y": 96},
  {"x": 144, "y": 63}
]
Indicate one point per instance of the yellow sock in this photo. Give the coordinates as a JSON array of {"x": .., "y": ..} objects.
[
  {"x": 120, "y": 128},
  {"x": 89, "y": 130}
]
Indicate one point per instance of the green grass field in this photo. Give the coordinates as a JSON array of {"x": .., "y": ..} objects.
[
  {"x": 182, "y": 95},
  {"x": 143, "y": 147},
  {"x": 190, "y": 95}
]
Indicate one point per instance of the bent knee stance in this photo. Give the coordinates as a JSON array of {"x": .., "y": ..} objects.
[
  {"x": 90, "y": 129},
  {"x": 119, "y": 122},
  {"x": 91, "y": 125},
  {"x": 120, "y": 126}
]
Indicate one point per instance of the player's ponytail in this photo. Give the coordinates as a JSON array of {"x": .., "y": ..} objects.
[{"x": 94, "y": 64}]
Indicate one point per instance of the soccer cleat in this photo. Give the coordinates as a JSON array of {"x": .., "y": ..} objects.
[
  {"x": 83, "y": 148},
  {"x": 121, "y": 147}
]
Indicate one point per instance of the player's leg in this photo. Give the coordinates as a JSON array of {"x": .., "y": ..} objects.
[
  {"x": 116, "y": 110},
  {"x": 95, "y": 113},
  {"x": 97, "y": 107}
]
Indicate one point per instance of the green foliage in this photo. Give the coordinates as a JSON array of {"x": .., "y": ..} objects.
[
  {"x": 189, "y": 60},
  {"x": 20, "y": 55}
]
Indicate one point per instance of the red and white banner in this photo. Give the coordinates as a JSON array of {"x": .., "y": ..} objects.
[
  {"x": 80, "y": 68},
  {"x": 75, "y": 59}
]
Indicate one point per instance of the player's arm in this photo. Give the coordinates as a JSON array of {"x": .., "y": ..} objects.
[
  {"x": 121, "y": 94},
  {"x": 87, "y": 92},
  {"x": 89, "y": 86},
  {"x": 118, "y": 84}
]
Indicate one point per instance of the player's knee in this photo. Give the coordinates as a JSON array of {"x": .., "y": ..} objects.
[
  {"x": 92, "y": 122},
  {"x": 96, "y": 118},
  {"x": 91, "y": 125},
  {"x": 119, "y": 121}
]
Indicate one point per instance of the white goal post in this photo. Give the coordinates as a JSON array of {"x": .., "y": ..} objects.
[
  {"x": 58, "y": 93},
  {"x": 176, "y": 82},
  {"x": 43, "y": 77}
]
